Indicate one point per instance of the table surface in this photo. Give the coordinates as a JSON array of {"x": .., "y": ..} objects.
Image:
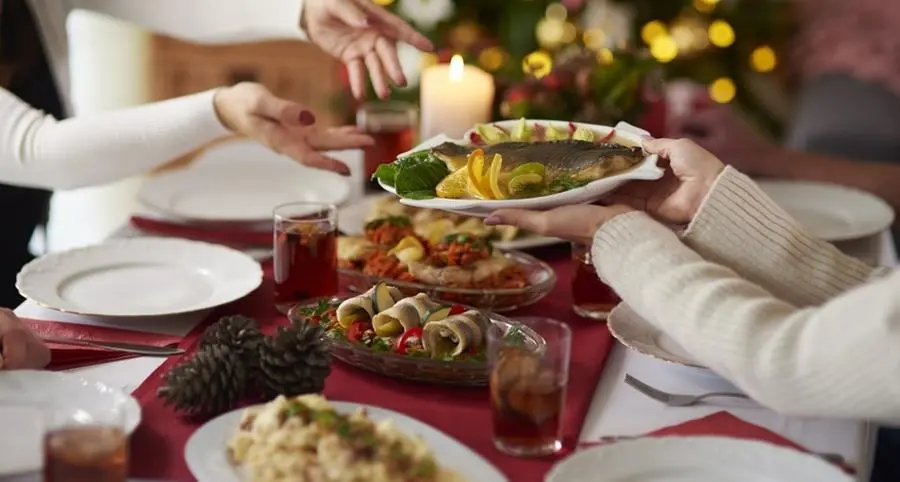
[{"x": 616, "y": 409}]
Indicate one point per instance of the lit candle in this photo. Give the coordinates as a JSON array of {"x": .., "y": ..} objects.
[{"x": 454, "y": 98}]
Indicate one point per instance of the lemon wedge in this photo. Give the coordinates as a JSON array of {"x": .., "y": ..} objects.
[
  {"x": 409, "y": 249},
  {"x": 475, "y": 169},
  {"x": 582, "y": 134},
  {"x": 491, "y": 134},
  {"x": 522, "y": 182},
  {"x": 453, "y": 186},
  {"x": 494, "y": 177}
]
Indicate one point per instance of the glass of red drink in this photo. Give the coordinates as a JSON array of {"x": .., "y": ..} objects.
[
  {"x": 82, "y": 446},
  {"x": 591, "y": 298},
  {"x": 393, "y": 125},
  {"x": 528, "y": 387},
  {"x": 305, "y": 253}
]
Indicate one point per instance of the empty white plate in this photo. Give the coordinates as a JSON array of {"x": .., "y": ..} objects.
[
  {"x": 23, "y": 394},
  {"x": 139, "y": 277},
  {"x": 831, "y": 212},
  {"x": 239, "y": 181},
  {"x": 694, "y": 459},
  {"x": 205, "y": 450},
  {"x": 638, "y": 334}
]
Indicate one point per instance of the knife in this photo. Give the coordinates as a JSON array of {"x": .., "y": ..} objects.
[{"x": 146, "y": 350}]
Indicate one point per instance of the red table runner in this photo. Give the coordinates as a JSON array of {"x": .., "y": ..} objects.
[{"x": 157, "y": 447}]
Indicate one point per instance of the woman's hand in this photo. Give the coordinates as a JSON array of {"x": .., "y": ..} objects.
[
  {"x": 19, "y": 346},
  {"x": 364, "y": 36},
  {"x": 285, "y": 126},
  {"x": 576, "y": 223},
  {"x": 676, "y": 197}
]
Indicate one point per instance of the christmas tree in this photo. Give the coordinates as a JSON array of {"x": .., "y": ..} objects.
[{"x": 601, "y": 61}]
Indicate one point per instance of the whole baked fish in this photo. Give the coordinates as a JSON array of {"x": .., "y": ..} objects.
[{"x": 582, "y": 159}]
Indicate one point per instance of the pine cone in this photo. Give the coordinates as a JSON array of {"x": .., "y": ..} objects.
[
  {"x": 294, "y": 360},
  {"x": 210, "y": 382},
  {"x": 237, "y": 332}
]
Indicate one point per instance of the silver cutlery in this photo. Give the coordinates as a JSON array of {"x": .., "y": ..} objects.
[
  {"x": 146, "y": 350},
  {"x": 675, "y": 399}
]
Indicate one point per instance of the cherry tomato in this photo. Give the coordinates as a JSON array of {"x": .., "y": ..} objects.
[
  {"x": 403, "y": 341},
  {"x": 356, "y": 330},
  {"x": 457, "y": 309}
]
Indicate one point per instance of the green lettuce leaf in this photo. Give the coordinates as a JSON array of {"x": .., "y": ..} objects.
[{"x": 414, "y": 176}]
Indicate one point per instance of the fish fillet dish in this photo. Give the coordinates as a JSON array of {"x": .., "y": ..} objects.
[{"x": 529, "y": 161}]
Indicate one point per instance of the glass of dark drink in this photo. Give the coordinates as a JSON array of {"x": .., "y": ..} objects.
[
  {"x": 591, "y": 298},
  {"x": 305, "y": 253},
  {"x": 528, "y": 387},
  {"x": 82, "y": 446},
  {"x": 393, "y": 125}
]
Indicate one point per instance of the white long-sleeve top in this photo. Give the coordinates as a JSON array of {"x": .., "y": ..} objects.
[
  {"x": 36, "y": 150},
  {"x": 798, "y": 325}
]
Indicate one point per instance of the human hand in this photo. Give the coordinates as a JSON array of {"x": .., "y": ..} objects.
[
  {"x": 20, "y": 347},
  {"x": 576, "y": 223},
  {"x": 721, "y": 130},
  {"x": 676, "y": 197},
  {"x": 364, "y": 36},
  {"x": 285, "y": 126}
]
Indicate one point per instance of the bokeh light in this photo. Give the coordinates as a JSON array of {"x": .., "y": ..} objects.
[
  {"x": 722, "y": 90},
  {"x": 537, "y": 64},
  {"x": 721, "y": 34},
  {"x": 763, "y": 59}
]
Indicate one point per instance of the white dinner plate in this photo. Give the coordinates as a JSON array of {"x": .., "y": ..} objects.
[
  {"x": 23, "y": 395},
  {"x": 139, "y": 277},
  {"x": 694, "y": 459},
  {"x": 352, "y": 221},
  {"x": 625, "y": 134},
  {"x": 205, "y": 450},
  {"x": 640, "y": 335},
  {"x": 831, "y": 212},
  {"x": 238, "y": 181}
]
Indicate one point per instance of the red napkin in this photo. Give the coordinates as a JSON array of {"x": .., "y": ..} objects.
[
  {"x": 723, "y": 424},
  {"x": 210, "y": 234},
  {"x": 64, "y": 357}
]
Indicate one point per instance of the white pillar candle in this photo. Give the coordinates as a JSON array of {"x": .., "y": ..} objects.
[{"x": 454, "y": 98}]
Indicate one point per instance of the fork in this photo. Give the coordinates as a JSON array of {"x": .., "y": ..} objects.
[{"x": 674, "y": 399}]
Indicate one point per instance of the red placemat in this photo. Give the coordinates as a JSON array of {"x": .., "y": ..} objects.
[
  {"x": 210, "y": 234},
  {"x": 64, "y": 357},
  {"x": 157, "y": 447}
]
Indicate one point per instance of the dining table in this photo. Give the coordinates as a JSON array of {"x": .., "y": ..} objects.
[{"x": 616, "y": 409}]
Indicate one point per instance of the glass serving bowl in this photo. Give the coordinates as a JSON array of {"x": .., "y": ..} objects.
[
  {"x": 427, "y": 370},
  {"x": 541, "y": 279}
]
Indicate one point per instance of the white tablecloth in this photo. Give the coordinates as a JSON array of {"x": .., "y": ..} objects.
[{"x": 616, "y": 408}]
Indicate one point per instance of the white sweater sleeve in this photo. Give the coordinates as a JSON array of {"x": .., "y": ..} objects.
[
  {"x": 36, "y": 150},
  {"x": 839, "y": 359},
  {"x": 206, "y": 21}
]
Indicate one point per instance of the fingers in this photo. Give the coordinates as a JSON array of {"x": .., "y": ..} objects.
[
  {"x": 311, "y": 158},
  {"x": 282, "y": 110},
  {"x": 351, "y": 13},
  {"x": 533, "y": 221},
  {"x": 356, "y": 72},
  {"x": 394, "y": 26},
  {"x": 657, "y": 146},
  {"x": 376, "y": 73},
  {"x": 387, "y": 52},
  {"x": 15, "y": 349},
  {"x": 340, "y": 138}
]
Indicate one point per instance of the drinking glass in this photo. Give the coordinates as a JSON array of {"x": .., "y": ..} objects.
[
  {"x": 393, "y": 125},
  {"x": 528, "y": 387},
  {"x": 84, "y": 446},
  {"x": 591, "y": 297},
  {"x": 305, "y": 253}
]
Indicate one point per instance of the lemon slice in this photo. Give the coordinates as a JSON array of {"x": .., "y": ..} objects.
[
  {"x": 475, "y": 169},
  {"x": 494, "y": 177},
  {"x": 453, "y": 186},
  {"x": 530, "y": 168},
  {"x": 409, "y": 249},
  {"x": 582, "y": 134},
  {"x": 522, "y": 182}
]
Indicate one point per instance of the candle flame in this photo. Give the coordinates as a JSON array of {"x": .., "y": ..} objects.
[{"x": 456, "y": 68}]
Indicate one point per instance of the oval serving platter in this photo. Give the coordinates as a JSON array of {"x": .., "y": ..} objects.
[{"x": 417, "y": 369}]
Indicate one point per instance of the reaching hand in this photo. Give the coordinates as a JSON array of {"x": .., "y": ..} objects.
[
  {"x": 722, "y": 131},
  {"x": 675, "y": 198},
  {"x": 364, "y": 36},
  {"x": 285, "y": 126},
  {"x": 576, "y": 223},
  {"x": 19, "y": 346}
]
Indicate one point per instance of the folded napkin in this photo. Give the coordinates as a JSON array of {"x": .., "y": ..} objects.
[
  {"x": 228, "y": 236},
  {"x": 64, "y": 357},
  {"x": 723, "y": 424}
]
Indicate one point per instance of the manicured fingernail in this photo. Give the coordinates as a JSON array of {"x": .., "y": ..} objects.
[
  {"x": 307, "y": 118},
  {"x": 344, "y": 170},
  {"x": 492, "y": 220}
]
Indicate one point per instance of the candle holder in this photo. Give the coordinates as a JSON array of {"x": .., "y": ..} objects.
[{"x": 393, "y": 125}]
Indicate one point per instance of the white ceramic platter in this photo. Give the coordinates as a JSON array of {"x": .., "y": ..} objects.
[
  {"x": 352, "y": 221},
  {"x": 25, "y": 393},
  {"x": 694, "y": 459},
  {"x": 239, "y": 181},
  {"x": 639, "y": 335},
  {"x": 139, "y": 277},
  {"x": 206, "y": 458},
  {"x": 625, "y": 134},
  {"x": 831, "y": 212}
]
